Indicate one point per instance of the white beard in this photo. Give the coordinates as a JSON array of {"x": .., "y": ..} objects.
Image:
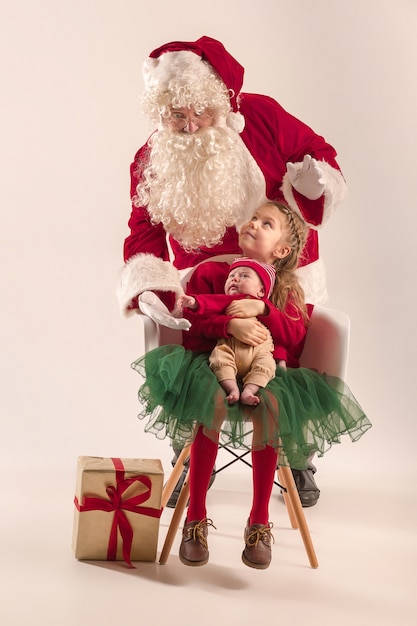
[{"x": 197, "y": 185}]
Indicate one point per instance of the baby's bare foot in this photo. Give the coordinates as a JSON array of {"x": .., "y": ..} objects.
[
  {"x": 249, "y": 396},
  {"x": 232, "y": 390},
  {"x": 249, "y": 399},
  {"x": 233, "y": 397}
]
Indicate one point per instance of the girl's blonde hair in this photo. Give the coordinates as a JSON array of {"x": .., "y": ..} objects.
[{"x": 286, "y": 285}]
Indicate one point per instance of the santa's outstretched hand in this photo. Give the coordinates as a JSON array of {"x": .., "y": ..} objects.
[
  {"x": 307, "y": 177},
  {"x": 153, "y": 307}
]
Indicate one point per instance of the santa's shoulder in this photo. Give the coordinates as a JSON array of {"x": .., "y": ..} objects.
[{"x": 258, "y": 102}]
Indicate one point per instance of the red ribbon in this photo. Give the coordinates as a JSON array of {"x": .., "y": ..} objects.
[{"x": 118, "y": 505}]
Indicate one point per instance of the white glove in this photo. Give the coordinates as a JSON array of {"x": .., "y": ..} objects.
[
  {"x": 153, "y": 307},
  {"x": 307, "y": 179}
]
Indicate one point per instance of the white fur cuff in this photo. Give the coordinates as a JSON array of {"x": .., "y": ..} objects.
[{"x": 145, "y": 272}]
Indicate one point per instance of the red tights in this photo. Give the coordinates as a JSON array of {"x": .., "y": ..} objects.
[{"x": 202, "y": 459}]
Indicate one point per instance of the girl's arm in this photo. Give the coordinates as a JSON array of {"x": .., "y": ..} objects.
[
  {"x": 209, "y": 320},
  {"x": 289, "y": 329},
  {"x": 285, "y": 328}
]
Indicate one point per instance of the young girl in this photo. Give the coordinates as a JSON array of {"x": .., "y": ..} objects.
[{"x": 300, "y": 411}]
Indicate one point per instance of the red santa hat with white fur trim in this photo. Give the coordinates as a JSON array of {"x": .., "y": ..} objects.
[{"x": 177, "y": 63}]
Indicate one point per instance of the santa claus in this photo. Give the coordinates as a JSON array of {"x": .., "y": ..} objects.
[{"x": 217, "y": 153}]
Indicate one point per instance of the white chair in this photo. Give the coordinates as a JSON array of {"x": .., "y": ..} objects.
[{"x": 326, "y": 350}]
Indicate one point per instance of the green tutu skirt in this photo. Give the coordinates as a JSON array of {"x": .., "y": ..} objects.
[{"x": 300, "y": 412}]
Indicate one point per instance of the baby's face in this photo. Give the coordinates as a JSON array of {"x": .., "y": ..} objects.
[{"x": 244, "y": 280}]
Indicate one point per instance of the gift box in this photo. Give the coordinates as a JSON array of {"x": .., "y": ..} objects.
[{"x": 117, "y": 509}]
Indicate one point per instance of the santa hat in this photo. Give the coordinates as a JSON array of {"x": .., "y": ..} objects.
[
  {"x": 177, "y": 58},
  {"x": 266, "y": 272}
]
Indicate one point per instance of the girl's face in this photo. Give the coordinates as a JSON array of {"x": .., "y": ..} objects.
[{"x": 263, "y": 238}]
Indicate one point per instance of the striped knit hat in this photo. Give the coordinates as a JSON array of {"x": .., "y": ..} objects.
[{"x": 265, "y": 272}]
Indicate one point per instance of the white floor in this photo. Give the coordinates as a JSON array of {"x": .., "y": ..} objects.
[{"x": 363, "y": 529}]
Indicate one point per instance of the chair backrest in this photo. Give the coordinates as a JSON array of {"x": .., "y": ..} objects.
[{"x": 326, "y": 348}]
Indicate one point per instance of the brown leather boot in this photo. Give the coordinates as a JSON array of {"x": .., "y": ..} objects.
[
  {"x": 194, "y": 548},
  {"x": 258, "y": 539}
]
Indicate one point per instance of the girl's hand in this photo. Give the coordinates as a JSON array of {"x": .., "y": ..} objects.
[
  {"x": 247, "y": 330},
  {"x": 246, "y": 308}
]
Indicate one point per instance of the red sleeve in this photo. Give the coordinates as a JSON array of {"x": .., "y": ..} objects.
[
  {"x": 214, "y": 303},
  {"x": 288, "y": 331},
  {"x": 275, "y": 137},
  {"x": 208, "y": 278},
  {"x": 280, "y": 353},
  {"x": 144, "y": 236}
]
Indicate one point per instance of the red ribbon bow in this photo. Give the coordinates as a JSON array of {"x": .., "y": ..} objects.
[{"x": 118, "y": 505}]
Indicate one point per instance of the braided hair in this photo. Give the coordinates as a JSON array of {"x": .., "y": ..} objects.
[{"x": 286, "y": 285}]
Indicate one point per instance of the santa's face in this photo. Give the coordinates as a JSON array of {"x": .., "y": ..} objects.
[{"x": 188, "y": 120}]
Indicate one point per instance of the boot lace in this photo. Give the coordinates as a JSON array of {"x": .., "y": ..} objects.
[
  {"x": 262, "y": 533},
  {"x": 198, "y": 532}
]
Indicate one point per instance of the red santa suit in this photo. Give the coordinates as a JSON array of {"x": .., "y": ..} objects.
[{"x": 273, "y": 138}]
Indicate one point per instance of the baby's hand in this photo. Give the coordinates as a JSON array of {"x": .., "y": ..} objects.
[
  {"x": 153, "y": 307},
  {"x": 283, "y": 364},
  {"x": 183, "y": 302}
]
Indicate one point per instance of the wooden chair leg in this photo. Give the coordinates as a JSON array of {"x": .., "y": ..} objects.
[
  {"x": 175, "y": 475},
  {"x": 292, "y": 493},
  {"x": 287, "y": 500},
  {"x": 175, "y": 521}
]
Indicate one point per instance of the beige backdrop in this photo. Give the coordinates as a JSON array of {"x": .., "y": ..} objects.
[{"x": 70, "y": 127}]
